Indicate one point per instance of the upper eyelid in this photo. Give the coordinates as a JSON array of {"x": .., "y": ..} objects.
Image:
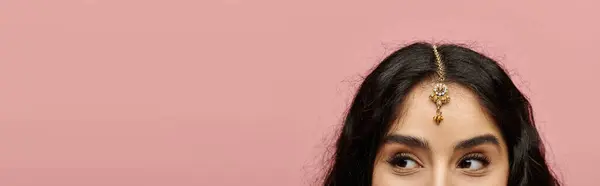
[
  {"x": 412, "y": 156},
  {"x": 487, "y": 150},
  {"x": 420, "y": 155}
]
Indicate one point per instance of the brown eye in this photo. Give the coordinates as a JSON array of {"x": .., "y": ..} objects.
[
  {"x": 404, "y": 161},
  {"x": 473, "y": 162}
]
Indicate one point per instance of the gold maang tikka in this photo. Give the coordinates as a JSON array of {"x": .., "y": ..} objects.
[{"x": 439, "y": 96}]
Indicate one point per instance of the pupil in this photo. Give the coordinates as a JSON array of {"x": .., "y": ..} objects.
[
  {"x": 466, "y": 164},
  {"x": 403, "y": 163}
]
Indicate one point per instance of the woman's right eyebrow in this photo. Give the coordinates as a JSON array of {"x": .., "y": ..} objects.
[
  {"x": 478, "y": 140},
  {"x": 411, "y": 141}
]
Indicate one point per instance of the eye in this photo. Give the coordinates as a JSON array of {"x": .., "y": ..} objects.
[
  {"x": 404, "y": 161},
  {"x": 474, "y": 162}
]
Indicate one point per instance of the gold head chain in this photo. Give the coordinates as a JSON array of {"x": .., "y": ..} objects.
[{"x": 439, "y": 96}]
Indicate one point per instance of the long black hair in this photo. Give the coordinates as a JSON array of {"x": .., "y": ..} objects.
[{"x": 375, "y": 105}]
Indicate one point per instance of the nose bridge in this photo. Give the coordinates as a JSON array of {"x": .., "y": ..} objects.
[{"x": 441, "y": 174}]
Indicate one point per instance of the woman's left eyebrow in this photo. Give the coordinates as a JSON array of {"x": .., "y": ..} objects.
[{"x": 476, "y": 141}]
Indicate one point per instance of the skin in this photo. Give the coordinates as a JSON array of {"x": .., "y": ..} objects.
[{"x": 419, "y": 152}]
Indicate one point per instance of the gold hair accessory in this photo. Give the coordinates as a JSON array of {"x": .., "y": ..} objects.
[{"x": 439, "y": 96}]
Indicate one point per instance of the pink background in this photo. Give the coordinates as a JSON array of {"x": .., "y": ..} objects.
[{"x": 240, "y": 92}]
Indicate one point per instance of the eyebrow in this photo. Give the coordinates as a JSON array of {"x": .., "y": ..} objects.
[
  {"x": 411, "y": 141},
  {"x": 476, "y": 141},
  {"x": 417, "y": 142}
]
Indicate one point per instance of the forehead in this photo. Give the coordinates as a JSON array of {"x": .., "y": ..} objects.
[{"x": 463, "y": 115}]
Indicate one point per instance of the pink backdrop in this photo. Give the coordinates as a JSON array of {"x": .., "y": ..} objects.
[{"x": 240, "y": 92}]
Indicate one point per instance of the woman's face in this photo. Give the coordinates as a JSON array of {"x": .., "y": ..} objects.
[{"x": 466, "y": 148}]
